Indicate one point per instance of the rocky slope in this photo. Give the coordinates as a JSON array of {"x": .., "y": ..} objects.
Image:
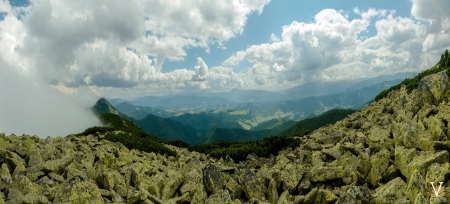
[{"x": 388, "y": 152}]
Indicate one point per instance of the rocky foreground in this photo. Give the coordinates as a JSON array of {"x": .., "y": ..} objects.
[{"x": 388, "y": 152}]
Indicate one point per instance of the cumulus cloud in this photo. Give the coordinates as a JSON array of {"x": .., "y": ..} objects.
[
  {"x": 118, "y": 49},
  {"x": 305, "y": 49},
  {"x": 201, "y": 70},
  {"x": 331, "y": 48},
  {"x": 107, "y": 43},
  {"x": 434, "y": 12},
  {"x": 274, "y": 38}
]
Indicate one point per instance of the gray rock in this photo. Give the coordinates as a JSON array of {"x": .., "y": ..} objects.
[
  {"x": 221, "y": 196},
  {"x": 212, "y": 179},
  {"x": 78, "y": 190},
  {"x": 433, "y": 89},
  {"x": 320, "y": 174},
  {"x": 252, "y": 187},
  {"x": 356, "y": 195}
]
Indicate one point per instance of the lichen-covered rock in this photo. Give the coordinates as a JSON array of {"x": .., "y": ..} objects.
[
  {"x": 394, "y": 190},
  {"x": 325, "y": 196},
  {"x": 433, "y": 89},
  {"x": 320, "y": 174},
  {"x": 438, "y": 200},
  {"x": 438, "y": 173},
  {"x": 233, "y": 187},
  {"x": 333, "y": 138},
  {"x": 112, "y": 180},
  {"x": 424, "y": 159},
  {"x": 379, "y": 138},
  {"x": 420, "y": 199},
  {"x": 35, "y": 157},
  {"x": 22, "y": 190},
  {"x": 172, "y": 184},
  {"x": 78, "y": 190},
  {"x": 212, "y": 179},
  {"x": 284, "y": 198},
  {"x": 252, "y": 187},
  {"x": 310, "y": 197},
  {"x": 290, "y": 177},
  {"x": 200, "y": 196},
  {"x": 272, "y": 191},
  {"x": 11, "y": 159},
  {"x": 355, "y": 195},
  {"x": 5, "y": 177},
  {"x": 58, "y": 165},
  {"x": 380, "y": 163},
  {"x": 403, "y": 158},
  {"x": 221, "y": 196},
  {"x": 416, "y": 186}
]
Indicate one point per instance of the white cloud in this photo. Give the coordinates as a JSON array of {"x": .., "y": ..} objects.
[
  {"x": 79, "y": 43},
  {"x": 305, "y": 49},
  {"x": 111, "y": 46},
  {"x": 201, "y": 70},
  {"x": 274, "y": 38},
  {"x": 330, "y": 48},
  {"x": 372, "y": 13},
  {"x": 436, "y": 13}
]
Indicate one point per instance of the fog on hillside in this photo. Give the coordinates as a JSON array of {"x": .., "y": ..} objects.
[{"x": 30, "y": 107}]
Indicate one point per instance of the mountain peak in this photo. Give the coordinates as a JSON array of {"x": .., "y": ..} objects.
[{"x": 103, "y": 106}]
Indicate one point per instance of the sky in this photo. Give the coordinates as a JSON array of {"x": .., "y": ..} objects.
[{"x": 59, "y": 54}]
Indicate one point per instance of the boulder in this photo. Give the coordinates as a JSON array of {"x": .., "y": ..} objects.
[
  {"x": 35, "y": 157},
  {"x": 171, "y": 185},
  {"x": 325, "y": 196},
  {"x": 5, "y": 177},
  {"x": 11, "y": 159},
  {"x": 327, "y": 139},
  {"x": 416, "y": 186},
  {"x": 438, "y": 173},
  {"x": 393, "y": 191},
  {"x": 200, "y": 196},
  {"x": 436, "y": 128},
  {"x": 252, "y": 187},
  {"x": 22, "y": 190},
  {"x": 433, "y": 89},
  {"x": 212, "y": 179},
  {"x": 379, "y": 138},
  {"x": 112, "y": 180},
  {"x": 320, "y": 174},
  {"x": 310, "y": 197},
  {"x": 235, "y": 190},
  {"x": 284, "y": 198},
  {"x": 290, "y": 177},
  {"x": 424, "y": 159},
  {"x": 403, "y": 157},
  {"x": 78, "y": 190},
  {"x": 272, "y": 191},
  {"x": 221, "y": 196},
  {"x": 355, "y": 195},
  {"x": 379, "y": 163},
  {"x": 57, "y": 165}
]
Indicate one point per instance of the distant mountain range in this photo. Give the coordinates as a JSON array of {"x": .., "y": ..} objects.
[
  {"x": 168, "y": 129},
  {"x": 206, "y": 100},
  {"x": 241, "y": 115},
  {"x": 248, "y": 115}
]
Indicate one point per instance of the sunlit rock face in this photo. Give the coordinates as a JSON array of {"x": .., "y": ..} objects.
[{"x": 387, "y": 152}]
